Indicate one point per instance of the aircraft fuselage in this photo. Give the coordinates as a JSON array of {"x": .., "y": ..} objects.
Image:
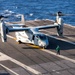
[{"x": 36, "y": 38}]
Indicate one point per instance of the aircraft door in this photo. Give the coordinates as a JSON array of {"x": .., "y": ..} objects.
[{"x": 35, "y": 40}]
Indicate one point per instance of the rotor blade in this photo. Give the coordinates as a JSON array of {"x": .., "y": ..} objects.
[
  {"x": 56, "y": 14},
  {"x": 62, "y": 14},
  {"x": 69, "y": 14}
]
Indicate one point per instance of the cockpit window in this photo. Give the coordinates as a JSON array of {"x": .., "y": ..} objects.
[{"x": 42, "y": 37}]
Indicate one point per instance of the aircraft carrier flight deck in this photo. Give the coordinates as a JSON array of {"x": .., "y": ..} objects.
[{"x": 28, "y": 59}]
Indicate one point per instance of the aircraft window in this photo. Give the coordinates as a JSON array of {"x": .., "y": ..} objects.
[
  {"x": 33, "y": 37},
  {"x": 42, "y": 37},
  {"x": 37, "y": 37}
]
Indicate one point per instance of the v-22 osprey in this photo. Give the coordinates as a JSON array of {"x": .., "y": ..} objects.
[{"x": 30, "y": 34}]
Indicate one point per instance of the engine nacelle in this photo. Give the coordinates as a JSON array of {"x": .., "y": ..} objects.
[
  {"x": 59, "y": 21},
  {"x": 3, "y": 31},
  {"x": 60, "y": 30}
]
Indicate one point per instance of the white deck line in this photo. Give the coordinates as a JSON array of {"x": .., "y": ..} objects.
[
  {"x": 20, "y": 64},
  {"x": 9, "y": 69},
  {"x": 61, "y": 56},
  {"x": 11, "y": 37},
  {"x": 60, "y": 38}
]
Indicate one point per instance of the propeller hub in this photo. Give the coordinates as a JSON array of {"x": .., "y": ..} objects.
[{"x": 59, "y": 13}]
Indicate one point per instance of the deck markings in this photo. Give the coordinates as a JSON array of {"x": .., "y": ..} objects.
[
  {"x": 11, "y": 37},
  {"x": 61, "y": 56},
  {"x": 20, "y": 64},
  {"x": 60, "y": 38},
  {"x": 9, "y": 69}
]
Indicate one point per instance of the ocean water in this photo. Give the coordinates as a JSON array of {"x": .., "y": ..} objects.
[{"x": 38, "y": 9}]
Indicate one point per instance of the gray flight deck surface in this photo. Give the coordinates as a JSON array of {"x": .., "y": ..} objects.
[{"x": 24, "y": 59}]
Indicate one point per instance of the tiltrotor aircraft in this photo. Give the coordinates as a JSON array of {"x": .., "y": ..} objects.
[{"x": 30, "y": 34}]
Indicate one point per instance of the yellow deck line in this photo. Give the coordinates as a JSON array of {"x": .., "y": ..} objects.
[{"x": 32, "y": 45}]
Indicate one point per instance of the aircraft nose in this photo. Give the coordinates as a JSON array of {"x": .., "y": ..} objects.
[{"x": 44, "y": 44}]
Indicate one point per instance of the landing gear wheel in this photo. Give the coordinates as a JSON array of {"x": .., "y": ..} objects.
[
  {"x": 44, "y": 47},
  {"x": 19, "y": 42}
]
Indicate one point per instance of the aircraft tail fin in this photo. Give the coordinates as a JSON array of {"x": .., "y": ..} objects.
[{"x": 22, "y": 19}]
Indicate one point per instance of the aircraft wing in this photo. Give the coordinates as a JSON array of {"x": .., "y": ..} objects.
[
  {"x": 46, "y": 26},
  {"x": 17, "y": 29},
  {"x": 28, "y": 28}
]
